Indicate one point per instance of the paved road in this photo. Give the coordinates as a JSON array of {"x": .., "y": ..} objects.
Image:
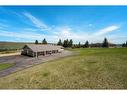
[{"x": 23, "y": 62}]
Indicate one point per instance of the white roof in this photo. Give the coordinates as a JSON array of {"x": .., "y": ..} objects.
[{"x": 47, "y": 47}]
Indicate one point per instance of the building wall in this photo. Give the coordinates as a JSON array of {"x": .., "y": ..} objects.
[{"x": 27, "y": 51}]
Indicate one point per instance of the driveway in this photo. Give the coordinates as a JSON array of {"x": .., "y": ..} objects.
[{"x": 23, "y": 62}]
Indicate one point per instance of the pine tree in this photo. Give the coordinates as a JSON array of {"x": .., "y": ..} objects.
[
  {"x": 123, "y": 45},
  {"x": 79, "y": 45},
  {"x": 59, "y": 42},
  {"x": 126, "y": 44},
  {"x": 86, "y": 45},
  {"x": 105, "y": 43},
  {"x": 65, "y": 43},
  {"x": 36, "y": 42},
  {"x": 44, "y": 41},
  {"x": 70, "y": 43}
]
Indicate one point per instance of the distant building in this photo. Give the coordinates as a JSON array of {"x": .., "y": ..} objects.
[
  {"x": 99, "y": 45},
  {"x": 96, "y": 45},
  {"x": 35, "y": 50},
  {"x": 112, "y": 45}
]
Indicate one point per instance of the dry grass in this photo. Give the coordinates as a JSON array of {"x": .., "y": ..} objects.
[
  {"x": 90, "y": 69},
  {"x": 10, "y": 54}
]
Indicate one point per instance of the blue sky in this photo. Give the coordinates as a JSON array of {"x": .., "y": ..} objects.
[{"x": 80, "y": 23}]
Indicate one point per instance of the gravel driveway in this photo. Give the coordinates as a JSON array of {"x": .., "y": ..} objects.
[{"x": 23, "y": 62}]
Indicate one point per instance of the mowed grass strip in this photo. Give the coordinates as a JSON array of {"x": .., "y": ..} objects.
[
  {"x": 102, "y": 68},
  {"x": 4, "y": 66}
]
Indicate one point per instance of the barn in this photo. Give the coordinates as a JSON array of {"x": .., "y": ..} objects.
[{"x": 34, "y": 50}]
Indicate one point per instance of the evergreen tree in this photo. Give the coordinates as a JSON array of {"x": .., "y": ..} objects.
[
  {"x": 123, "y": 45},
  {"x": 65, "y": 43},
  {"x": 79, "y": 45},
  {"x": 44, "y": 41},
  {"x": 59, "y": 42},
  {"x": 70, "y": 43},
  {"x": 36, "y": 42},
  {"x": 105, "y": 43},
  {"x": 86, "y": 45},
  {"x": 126, "y": 43}
]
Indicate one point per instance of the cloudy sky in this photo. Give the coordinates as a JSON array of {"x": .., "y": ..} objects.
[{"x": 80, "y": 23}]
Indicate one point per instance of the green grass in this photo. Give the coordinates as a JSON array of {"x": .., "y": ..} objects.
[
  {"x": 94, "y": 68},
  {"x": 4, "y": 66}
]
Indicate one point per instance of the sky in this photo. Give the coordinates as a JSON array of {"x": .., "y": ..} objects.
[{"x": 80, "y": 23}]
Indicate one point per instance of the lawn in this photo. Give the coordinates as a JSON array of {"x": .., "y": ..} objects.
[
  {"x": 93, "y": 68},
  {"x": 5, "y": 66}
]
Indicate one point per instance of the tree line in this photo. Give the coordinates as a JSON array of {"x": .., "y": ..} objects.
[
  {"x": 43, "y": 41},
  {"x": 124, "y": 44},
  {"x": 69, "y": 44}
]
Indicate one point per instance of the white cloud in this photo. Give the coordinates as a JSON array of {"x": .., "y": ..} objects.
[
  {"x": 68, "y": 33},
  {"x": 30, "y": 29},
  {"x": 36, "y": 21},
  {"x": 65, "y": 32},
  {"x": 2, "y": 26},
  {"x": 23, "y": 35},
  {"x": 90, "y": 25},
  {"x": 106, "y": 30},
  {"x": 27, "y": 36},
  {"x": 62, "y": 32}
]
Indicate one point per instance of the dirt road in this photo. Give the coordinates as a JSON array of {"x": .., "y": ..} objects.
[{"x": 10, "y": 54}]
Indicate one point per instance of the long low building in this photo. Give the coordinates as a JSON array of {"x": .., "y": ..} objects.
[{"x": 35, "y": 50}]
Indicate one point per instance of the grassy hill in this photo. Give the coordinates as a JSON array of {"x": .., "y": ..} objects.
[
  {"x": 9, "y": 47},
  {"x": 88, "y": 69}
]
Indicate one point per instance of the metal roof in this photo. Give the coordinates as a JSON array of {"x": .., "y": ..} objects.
[{"x": 38, "y": 48}]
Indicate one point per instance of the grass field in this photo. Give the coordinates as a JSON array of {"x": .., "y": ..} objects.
[
  {"x": 10, "y": 47},
  {"x": 87, "y": 69},
  {"x": 5, "y": 66}
]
